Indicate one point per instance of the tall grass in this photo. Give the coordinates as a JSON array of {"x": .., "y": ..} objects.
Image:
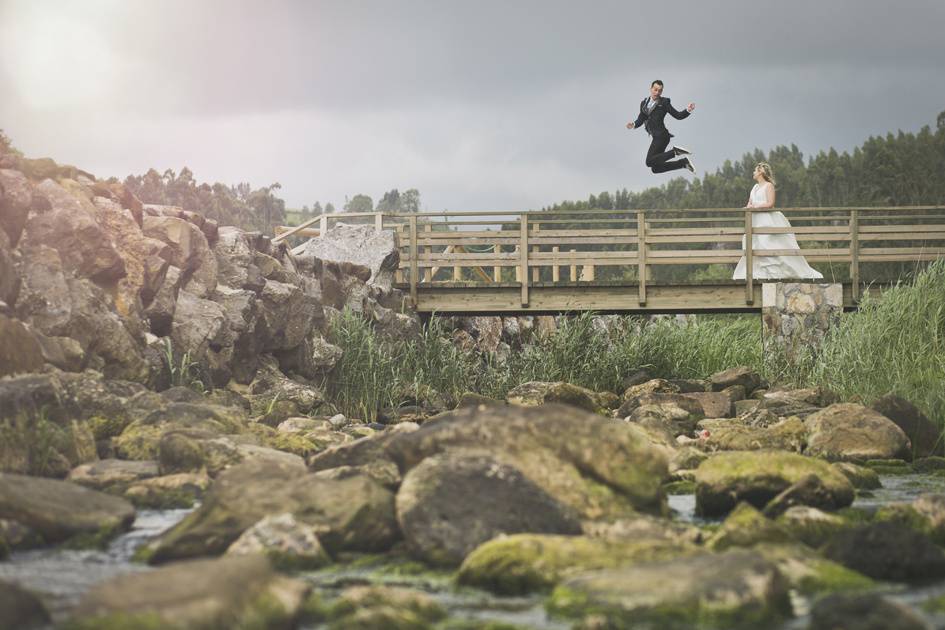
[{"x": 895, "y": 344}]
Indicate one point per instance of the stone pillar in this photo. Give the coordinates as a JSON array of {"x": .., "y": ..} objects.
[{"x": 797, "y": 315}]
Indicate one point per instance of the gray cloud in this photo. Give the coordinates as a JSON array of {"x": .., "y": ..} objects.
[{"x": 486, "y": 105}]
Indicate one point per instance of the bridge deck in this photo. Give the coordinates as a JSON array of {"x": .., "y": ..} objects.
[{"x": 640, "y": 261}]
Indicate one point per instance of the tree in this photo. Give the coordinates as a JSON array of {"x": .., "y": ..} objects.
[
  {"x": 410, "y": 200},
  {"x": 359, "y": 203},
  {"x": 317, "y": 208},
  {"x": 329, "y": 208},
  {"x": 390, "y": 202}
]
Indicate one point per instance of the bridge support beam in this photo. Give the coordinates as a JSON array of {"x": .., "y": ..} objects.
[{"x": 797, "y": 315}]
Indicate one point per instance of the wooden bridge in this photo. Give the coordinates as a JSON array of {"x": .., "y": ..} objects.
[{"x": 636, "y": 261}]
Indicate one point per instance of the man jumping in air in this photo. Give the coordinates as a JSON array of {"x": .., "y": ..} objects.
[{"x": 653, "y": 110}]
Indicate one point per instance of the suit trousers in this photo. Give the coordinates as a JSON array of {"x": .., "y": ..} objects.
[{"x": 657, "y": 157}]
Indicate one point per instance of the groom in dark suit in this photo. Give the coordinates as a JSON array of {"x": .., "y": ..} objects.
[{"x": 653, "y": 110}]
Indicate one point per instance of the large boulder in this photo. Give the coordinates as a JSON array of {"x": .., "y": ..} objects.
[
  {"x": 789, "y": 434},
  {"x": 540, "y": 392},
  {"x": 759, "y": 476},
  {"x": 201, "y": 331},
  {"x": 855, "y": 611},
  {"x": 9, "y": 278},
  {"x": 16, "y": 198},
  {"x": 358, "y": 244},
  {"x": 522, "y": 563},
  {"x": 852, "y": 432},
  {"x": 71, "y": 227},
  {"x": 596, "y": 466},
  {"x": 140, "y": 440},
  {"x": 112, "y": 475},
  {"x": 20, "y": 352},
  {"x": 234, "y": 253},
  {"x": 451, "y": 503},
  {"x": 350, "y": 514},
  {"x": 288, "y": 543},
  {"x": 736, "y": 589},
  {"x": 231, "y": 592},
  {"x": 925, "y": 435},
  {"x": 286, "y": 316},
  {"x": 744, "y": 376},
  {"x": 59, "y": 510},
  {"x": 189, "y": 251}
]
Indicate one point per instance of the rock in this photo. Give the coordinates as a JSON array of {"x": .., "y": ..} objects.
[
  {"x": 194, "y": 451},
  {"x": 888, "y": 551},
  {"x": 200, "y": 330},
  {"x": 112, "y": 475},
  {"x": 789, "y": 434},
  {"x": 810, "y": 574},
  {"x": 270, "y": 384},
  {"x": 234, "y": 253},
  {"x": 599, "y": 467},
  {"x": 472, "y": 399},
  {"x": 861, "y": 477},
  {"x": 540, "y": 393},
  {"x": 524, "y": 563},
  {"x": 864, "y": 612},
  {"x": 160, "y": 312},
  {"x": 651, "y": 386},
  {"x": 746, "y": 527},
  {"x": 20, "y": 609},
  {"x": 286, "y": 316},
  {"x": 350, "y": 514},
  {"x": 71, "y": 228},
  {"x": 233, "y": 591},
  {"x": 714, "y": 404},
  {"x": 168, "y": 492},
  {"x": 384, "y": 608},
  {"x": 926, "y": 515},
  {"x": 59, "y": 510},
  {"x": 744, "y": 376},
  {"x": 16, "y": 198},
  {"x": 736, "y": 589},
  {"x": 811, "y": 526},
  {"x": 925, "y": 435},
  {"x": 691, "y": 405},
  {"x": 20, "y": 352},
  {"x": 759, "y": 476},
  {"x": 9, "y": 279},
  {"x": 687, "y": 385},
  {"x": 140, "y": 440},
  {"x": 451, "y": 503},
  {"x": 667, "y": 416},
  {"x": 851, "y": 432},
  {"x": 189, "y": 251},
  {"x": 358, "y": 244},
  {"x": 808, "y": 490},
  {"x": 288, "y": 543},
  {"x": 742, "y": 407}
]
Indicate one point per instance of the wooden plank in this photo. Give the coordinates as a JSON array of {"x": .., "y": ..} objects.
[
  {"x": 298, "y": 228},
  {"x": 413, "y": 261},
  {"x": 379, "y": 221},
  {"x": 931, "y": 235},
  {"x": 572, "y": 276},
  {"x": 496, "y": 269},
  {"x": 555, "y": 269},
  {"x": 542, "y": 214},
  {"x": 523, "y": 250},
  {"x": 641, "y": 257},
  {"x": 536, "y": 271}
]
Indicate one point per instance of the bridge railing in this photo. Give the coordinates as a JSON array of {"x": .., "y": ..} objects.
[{"x": 528, "y": 250}]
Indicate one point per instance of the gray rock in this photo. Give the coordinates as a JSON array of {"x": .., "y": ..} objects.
[
  {"x": 16, "y": 198},
  {"x": 358, "y": 244},
  {"x": 20, "y": 609},
  {"x": 851, "y": 611},
  {"x": 59, "y": 510},
  {"x": 451, "y": 503},
  {"x": 851, "y": 432},
  {"x": 743, "y": 376},
  {"x": 20, "y": 352},
  {"x": 112, "y": 475},
  {"x": 888, "y": 551},
  {"x": 925, "y": 435},
  {"x": 287, "y": 542}
]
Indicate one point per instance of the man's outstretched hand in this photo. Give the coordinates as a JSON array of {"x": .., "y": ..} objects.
[
  {"x": 630, "y": 125},
  {"x": 690, "y": 107}
]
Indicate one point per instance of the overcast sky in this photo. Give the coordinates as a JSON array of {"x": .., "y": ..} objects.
[{"x": 481, "y": 105}]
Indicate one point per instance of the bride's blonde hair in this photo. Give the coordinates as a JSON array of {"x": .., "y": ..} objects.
[{"x": 766, "y": 171}]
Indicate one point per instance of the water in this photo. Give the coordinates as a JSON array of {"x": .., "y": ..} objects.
[{"x": 60, "y": 576}]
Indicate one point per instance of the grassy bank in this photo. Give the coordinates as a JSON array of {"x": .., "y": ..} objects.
[{"x": 893, "y": 345}]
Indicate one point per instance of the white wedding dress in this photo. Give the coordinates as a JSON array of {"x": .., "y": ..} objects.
[{"x": 771, "y": 267}]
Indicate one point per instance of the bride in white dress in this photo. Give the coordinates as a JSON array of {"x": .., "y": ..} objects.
[{"x": 771, "y": 267}]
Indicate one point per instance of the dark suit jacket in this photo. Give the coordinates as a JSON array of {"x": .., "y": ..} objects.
[{"x": 653, "y": 121}]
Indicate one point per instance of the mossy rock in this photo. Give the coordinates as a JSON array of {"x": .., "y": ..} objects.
[
  {"x": 929, "y": 464},
  {"x": 759, "y": 476},
  {"x": 745, "y": 526},
  {"x": 536, "y": 393},
  {"x": 811, "y": 526},
  {"x": 104, "y": 428},
  {"x": 523, "y": 563},
  {"x": 383, "y": 608},
  {"x": 861, "y": 477},
  {"x": 935, "y": 604},
  {"x": 908, "y": 515},
  {"x": 889, "y": 466},
  {"x": 812, "y": 574},
  {"x": 735, "y": 589},
  {"x": 680, "y": 487}
]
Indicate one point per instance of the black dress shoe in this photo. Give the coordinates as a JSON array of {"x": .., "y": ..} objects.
[{"x": 681, "y": 151}]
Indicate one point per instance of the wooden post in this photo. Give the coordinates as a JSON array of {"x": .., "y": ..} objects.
[
  {"x": 855, "y": 254},
  {"x": 749, "y": 291},
  {"x": 536, "y": 248},
  {"x": 523, "y": 260},
  {"x": 323, "y": 225},
  {"x": 378, "y": 221},
  {"x": 428, "y": 272},
  {"x": 641, "y": 255},
  {"x": 496, "y": 271},
  {"x": 413, "y": 261},
  {"x": 573, "y": 275},
  {"x": 555, "y": 269}
]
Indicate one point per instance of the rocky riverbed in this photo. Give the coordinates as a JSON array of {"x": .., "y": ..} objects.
[{"x": 169, "y": 458}]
